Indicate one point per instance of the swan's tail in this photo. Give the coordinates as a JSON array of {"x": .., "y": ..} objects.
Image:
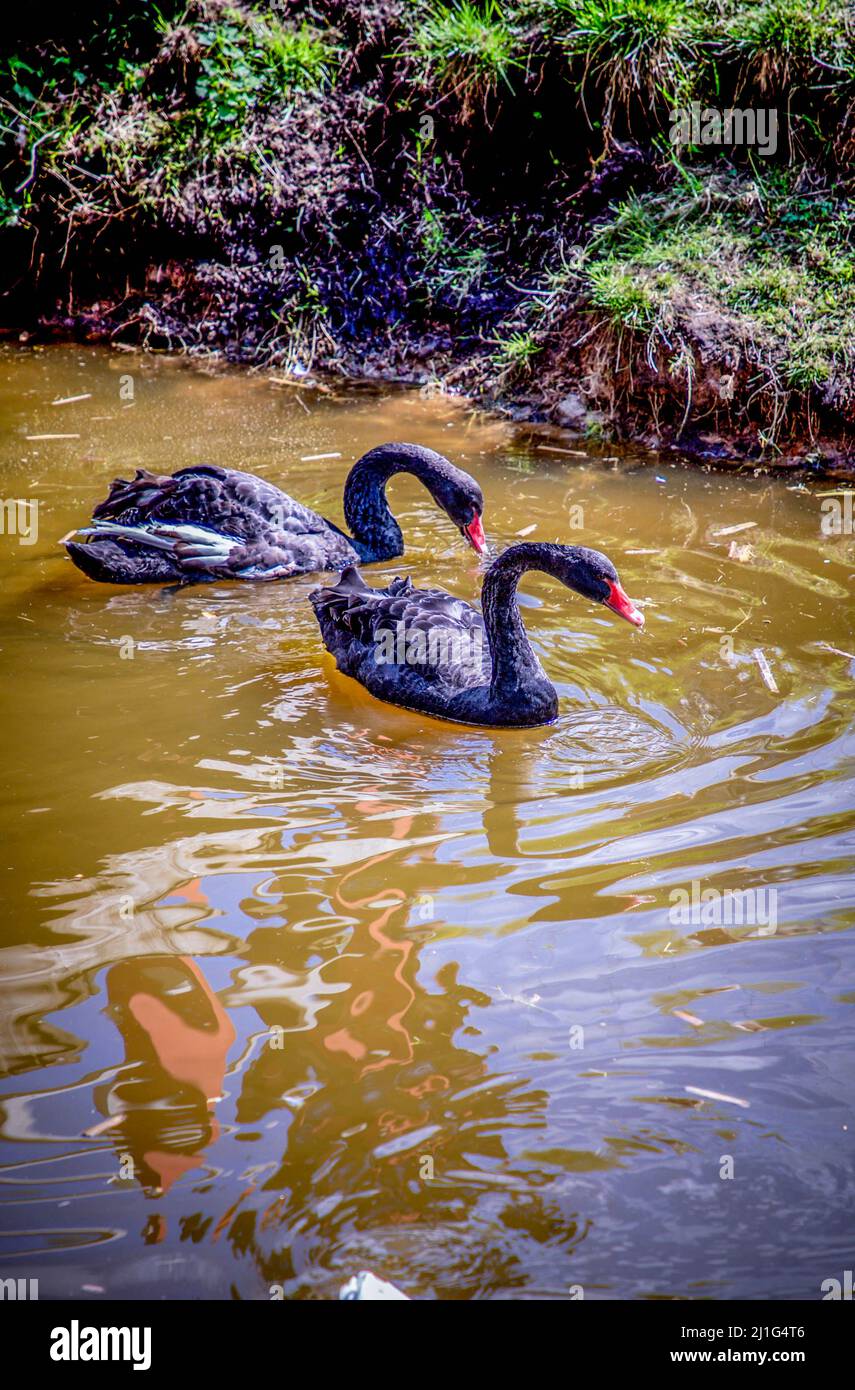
[
  {"x": 138, "y": 493},
  {"x": 152, "y": 553},
  {"x": 108, "y": 563}
]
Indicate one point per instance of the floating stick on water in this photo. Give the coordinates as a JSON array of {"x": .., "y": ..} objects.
[{"x": 765, "y": 669}]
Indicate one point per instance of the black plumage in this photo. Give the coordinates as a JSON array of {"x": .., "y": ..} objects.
[
  {"x": 428, "y": 651},
  {"x": 207, "y": 522}
]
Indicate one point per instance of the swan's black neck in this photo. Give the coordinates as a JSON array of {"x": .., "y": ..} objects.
[
  {"x": 517, "y": 675},
  {"x": 375, "y": 532}
]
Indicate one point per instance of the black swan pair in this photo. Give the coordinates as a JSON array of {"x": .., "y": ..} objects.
[{"x": 418, "y": 648}]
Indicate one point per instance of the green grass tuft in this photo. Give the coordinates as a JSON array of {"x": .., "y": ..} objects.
[
  {"x": 626, "y": 298},
  {"x": 466, "y": 46},
  {"x": 634, "y": 48},
  {"x": 816, "y": 29},
  {"x": 513, "y": 354},
  {"x": 251, "y": 62}
]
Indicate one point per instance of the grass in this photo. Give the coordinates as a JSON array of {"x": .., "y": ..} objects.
[
  {"x": 639, "y": 54},
  {"x": 632, "y": 49},
  {"x": 453, "y": 266},
  {"x": 514, "y": 353},
  {"x": 135, "y": 134},
  {"x": 779, "y": 30},
  {"x": 466, "y": 47},
  {"x": 627, "y": 300},
  {"x": 770, "y": 266}
]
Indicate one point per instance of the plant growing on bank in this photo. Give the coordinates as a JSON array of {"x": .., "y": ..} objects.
[
  {"x": 631, "y": 50},
  {"x": 248, "y": 62},
  {"x": 239, "y": 65},
  {"x": 466, "y": 47},
  {"x": 513, "y": 355},
  {"x": 776, "y": 34},
  {"x": 452, "y": 267},
  {"x": 626, "y": 300}
]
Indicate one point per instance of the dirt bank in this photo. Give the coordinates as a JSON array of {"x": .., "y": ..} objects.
[{"x": 489, "y": 198}]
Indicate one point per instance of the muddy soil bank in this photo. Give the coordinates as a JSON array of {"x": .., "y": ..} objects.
[{"x": 480, "y": 198}]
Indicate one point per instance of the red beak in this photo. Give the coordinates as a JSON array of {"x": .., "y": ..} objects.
[
  {"x": 622, "y": 604},
  {"x": 474, "y": 533}
]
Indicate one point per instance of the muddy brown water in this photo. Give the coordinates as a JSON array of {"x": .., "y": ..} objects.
[{"x": 294, "y": 984}]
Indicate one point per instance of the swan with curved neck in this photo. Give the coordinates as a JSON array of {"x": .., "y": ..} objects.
[
  {"x": 208, "y": 523},
  {"x": 427, "y": 651}
]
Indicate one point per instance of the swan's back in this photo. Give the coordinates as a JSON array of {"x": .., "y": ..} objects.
[
  {"x": 223, "y": 499},
  {"x": 401, "y": 639}
]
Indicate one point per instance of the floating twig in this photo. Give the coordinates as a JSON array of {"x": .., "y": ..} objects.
[
  {"x": 734, "y": 530},
  {"x": 765, "y": 670},
  {"x": 111, "y": 1122},
  {"x": 717, "y": 1095}
]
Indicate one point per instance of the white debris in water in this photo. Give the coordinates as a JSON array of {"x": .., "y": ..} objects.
[
  {"x": 365, "y": 1287},
  {"x": 765, "y": 669},
  {"x": 733, "y": 530},
  {"x": 717, "y": 1095}
]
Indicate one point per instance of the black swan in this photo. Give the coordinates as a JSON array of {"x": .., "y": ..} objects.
[
  {"x": 428, "y": 651},
  {"x": 217, "y": 523}
]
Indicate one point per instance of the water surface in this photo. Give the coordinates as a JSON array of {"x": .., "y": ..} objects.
[{"x": 294, "y": 984}]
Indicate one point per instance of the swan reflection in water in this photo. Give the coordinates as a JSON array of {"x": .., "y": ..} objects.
[{"x": 345, "y": 1048}]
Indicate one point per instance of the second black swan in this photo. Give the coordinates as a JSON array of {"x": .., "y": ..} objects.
[
  {"x": 206, "y": 522},
  {"x": 431, "y": 652}
]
